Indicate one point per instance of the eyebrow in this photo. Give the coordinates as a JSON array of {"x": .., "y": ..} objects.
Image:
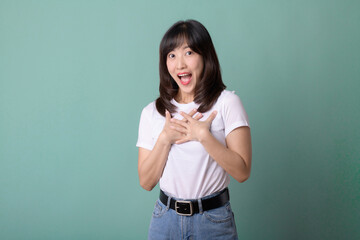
[{"x": 186, "y": 46}]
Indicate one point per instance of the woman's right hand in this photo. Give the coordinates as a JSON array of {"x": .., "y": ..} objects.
[
  {"x": 169, "y": 134},
  {"x": 151, "y": 163}
]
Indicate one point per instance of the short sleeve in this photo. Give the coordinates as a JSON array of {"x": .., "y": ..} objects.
[
  {"x": 145, "y": 129},
  {"x": 234, "y": 113}
]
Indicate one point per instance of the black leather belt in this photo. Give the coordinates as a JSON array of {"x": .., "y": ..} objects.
[{"x": 190, "y": 207}]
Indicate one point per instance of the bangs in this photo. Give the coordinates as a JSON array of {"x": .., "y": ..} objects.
[
  {"x": 176, "y": 37},
  {"x": 174, "y": 41}
]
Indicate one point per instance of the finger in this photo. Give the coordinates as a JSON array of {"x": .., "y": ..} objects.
[
  {"x": 179, "y": 129},
  {"x": 167, "y": 116},
  {"x": 186, "y": 116},
  {"x": 179, "y": 122},
  {"x": 211, "y": 117},
  {"x": 198, "y": 116},
  {"x": 192, "y": 112},
  {"x": 182, "y": 141}
]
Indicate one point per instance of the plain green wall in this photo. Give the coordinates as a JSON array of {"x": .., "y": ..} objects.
[{"x": 75, "y": 75}]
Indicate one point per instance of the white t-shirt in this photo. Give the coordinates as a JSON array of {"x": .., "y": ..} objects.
[{"x": 190, "y": 172}]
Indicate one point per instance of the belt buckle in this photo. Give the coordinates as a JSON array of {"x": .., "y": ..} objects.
[{"x": 183, "y": 204}]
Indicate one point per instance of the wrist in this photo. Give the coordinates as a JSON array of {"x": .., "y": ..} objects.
[
  {"x": 203, "y": 135},
  {"x": 163, "y": 139}
]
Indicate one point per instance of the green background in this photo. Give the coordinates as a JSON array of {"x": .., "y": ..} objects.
[{"x": 75, "y": 75}]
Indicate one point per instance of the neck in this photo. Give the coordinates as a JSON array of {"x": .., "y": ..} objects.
[{"x": 184, "y": 98}]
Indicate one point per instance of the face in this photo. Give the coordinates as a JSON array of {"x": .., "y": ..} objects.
[{"x": 185, "y": 67}]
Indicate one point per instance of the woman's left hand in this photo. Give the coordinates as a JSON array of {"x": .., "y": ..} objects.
[{"x": 192, "y": 129}]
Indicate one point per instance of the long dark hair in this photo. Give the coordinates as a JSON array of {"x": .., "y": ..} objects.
[{"x": 209, "y": 86}]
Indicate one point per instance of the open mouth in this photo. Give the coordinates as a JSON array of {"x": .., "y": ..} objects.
[{"x": 185, "y": 78}]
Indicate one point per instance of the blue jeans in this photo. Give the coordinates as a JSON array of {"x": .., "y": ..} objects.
[{"x": 214, "y": 224}]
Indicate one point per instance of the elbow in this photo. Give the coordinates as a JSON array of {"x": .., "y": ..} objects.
[
  {"x": 145, "y": 182},
  {"x": 145, "y": 185},
  {"x": 147, "y": 188},
  {"x": 244, "y": 174},
  {"x": 242, "y": 178}
]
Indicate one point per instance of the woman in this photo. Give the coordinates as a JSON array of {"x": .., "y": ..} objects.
[{"x": 191, "y": 139}]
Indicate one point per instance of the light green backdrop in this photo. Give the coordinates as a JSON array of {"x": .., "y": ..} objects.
[{"x": 75, "y": 75}]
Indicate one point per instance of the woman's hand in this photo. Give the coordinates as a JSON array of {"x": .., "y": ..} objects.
[
  {"x": 170, "y": 132},
  {"x": 192, "y": 128}
]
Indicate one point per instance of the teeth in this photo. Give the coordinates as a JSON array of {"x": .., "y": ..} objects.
[{"x": 182, "y": 75}]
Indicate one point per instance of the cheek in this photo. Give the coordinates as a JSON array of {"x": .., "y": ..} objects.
[
  {"x": 198, "y": 63},
  {"x": 171, "y": 72},
  {"x": 200, "y": 67},
  {"x": 170, "y": 67}
]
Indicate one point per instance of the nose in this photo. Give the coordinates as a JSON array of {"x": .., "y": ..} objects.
[{"x": 180, "y": 63}]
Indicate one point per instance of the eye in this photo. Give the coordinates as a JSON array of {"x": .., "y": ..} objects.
[
  {"x": 188, "y": 53},
  {"x": 171, "y": 55}
]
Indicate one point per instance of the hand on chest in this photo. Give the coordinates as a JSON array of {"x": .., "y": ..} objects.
[{"x": 217, "y": 125}]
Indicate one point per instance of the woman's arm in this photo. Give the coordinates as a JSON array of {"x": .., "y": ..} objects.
[
  {"x": 235, "y": 159},
  {"x": 151, "y": 163}
]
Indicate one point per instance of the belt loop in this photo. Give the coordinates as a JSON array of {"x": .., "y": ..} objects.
[
  {"x": 168, "y": 203},
  {"x": 200, "y": 206}
]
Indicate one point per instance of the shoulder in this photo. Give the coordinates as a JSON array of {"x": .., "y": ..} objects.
[
  {"x": 150, "y": 107},
  {"x": 228, "y": 97},
  {"x": 150, "y": 110}
]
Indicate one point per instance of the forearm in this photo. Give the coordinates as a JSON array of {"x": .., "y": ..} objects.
[
  {"x": 231, "y": 161},
  {"x": 151, "y": 168}
]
